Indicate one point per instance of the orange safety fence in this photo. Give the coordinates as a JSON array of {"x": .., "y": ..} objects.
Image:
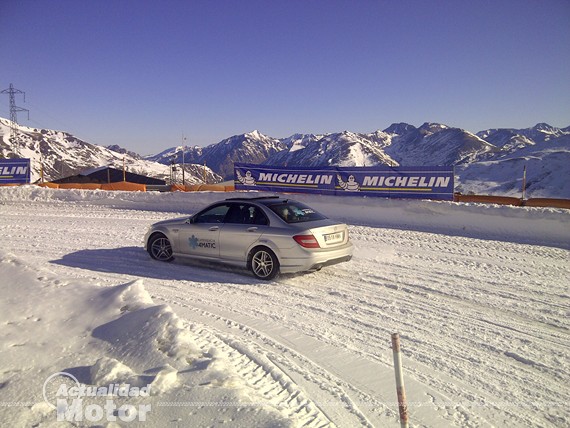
[
  {"x": 124, "y": 185},
  {"x": 201, "y": 188},
  {"x": 119, "y": 185},
  {"x": 457, "y": 197},
  {"x": 547, "y": 202},
  {"x": 49, "y": 185},
  {"x": 504, "y": 200},
  {"x": 501, "y": 200},
  {"x": 83, "y": 186},
  {"x": 178, "y": 188},
  {"x": 208, "y": 188}
]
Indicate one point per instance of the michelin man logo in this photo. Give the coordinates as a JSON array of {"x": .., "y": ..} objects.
[
  {"x": 248, "y": 180},
  {"x": 350, "y": 186}
]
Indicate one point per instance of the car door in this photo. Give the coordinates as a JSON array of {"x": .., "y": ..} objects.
[
  {"x": 200, "y": 236},
  {"x": 244, "y": 225}
]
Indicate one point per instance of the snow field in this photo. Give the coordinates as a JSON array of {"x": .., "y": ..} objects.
[{"x": 484, "y": 322}]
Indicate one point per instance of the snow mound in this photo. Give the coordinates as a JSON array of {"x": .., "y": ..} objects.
[
  {"x": 117, "y": 337},
  {"x": 152, "y": 335},
  {"x": 108, "y": 370},
  {"x": 129, "y": 296}
]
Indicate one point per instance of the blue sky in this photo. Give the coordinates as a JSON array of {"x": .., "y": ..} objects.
[{"x": 141, "y": 73}]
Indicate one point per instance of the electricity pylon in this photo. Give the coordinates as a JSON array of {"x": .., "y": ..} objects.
[{"x": 14, "y": 109}]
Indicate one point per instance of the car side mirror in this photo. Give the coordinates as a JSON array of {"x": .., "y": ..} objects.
[{"x": 190, "y": 220}]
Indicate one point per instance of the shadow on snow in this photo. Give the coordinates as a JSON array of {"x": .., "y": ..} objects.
[{"x": 135, "y": 261}]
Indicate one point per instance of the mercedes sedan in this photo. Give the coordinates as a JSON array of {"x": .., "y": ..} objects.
[{"x": 267, "y": 235}]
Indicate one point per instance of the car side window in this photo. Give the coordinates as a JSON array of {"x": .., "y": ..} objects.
[
  {"x": 213, "y": 215},
  {"x": 295, "y": 212},
  {"x": 234, "y": 215},
  {"x": 246, "y": 214},
  {"x": 259, "y": 217}
]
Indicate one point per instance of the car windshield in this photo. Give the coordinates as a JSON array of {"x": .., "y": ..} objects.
[{"x": 295, "y": 212}]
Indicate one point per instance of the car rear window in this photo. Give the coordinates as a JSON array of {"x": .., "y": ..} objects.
[{"x": 295, "y": 212}]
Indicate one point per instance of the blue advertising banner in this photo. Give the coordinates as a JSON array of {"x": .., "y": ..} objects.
[
  {"x": 14, "y": 171},
  {"x": 382, "y": 181}
]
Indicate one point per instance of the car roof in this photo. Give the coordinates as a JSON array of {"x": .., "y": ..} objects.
[{"x": 265, "y": 200}]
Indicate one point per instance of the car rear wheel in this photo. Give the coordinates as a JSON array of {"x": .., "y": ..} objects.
[
  {"x": 159, "y": 248},
  {"x": 264, "y": 264}
]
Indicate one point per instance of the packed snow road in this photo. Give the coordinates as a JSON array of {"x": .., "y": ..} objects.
[{"x": 484, "y": 323}]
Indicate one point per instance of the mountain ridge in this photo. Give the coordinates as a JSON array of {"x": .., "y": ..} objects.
[
  {"x": 58, "y": 154},
  {"x": 488, "y": 160}
]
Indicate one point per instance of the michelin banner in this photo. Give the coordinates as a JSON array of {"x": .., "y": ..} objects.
[
  {"x": 14, "y": 171},
  {"x": 381, "y": 181}
]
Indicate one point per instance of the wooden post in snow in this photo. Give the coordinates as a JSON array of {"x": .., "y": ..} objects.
[
  {"x": 524, "y": 182},
  {"x": 400, "y": 390}
]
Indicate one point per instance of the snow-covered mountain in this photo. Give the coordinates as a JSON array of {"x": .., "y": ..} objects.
[
  {"x": 543, "y": 150},
  {"x": 61, "y": 155},
  {"x": 252, "y": 147},
  {"x": 189, "y": 157},
  {"x": 489, "y": 162},
  {"x": 178, "y": 154},
  {"x": 343, "y": 149},
  {"x": 399, "y": 144},
  {"x": 435, "y": 144}
]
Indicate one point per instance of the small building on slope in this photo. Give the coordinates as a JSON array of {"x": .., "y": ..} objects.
[{"x": 107, "y": 174}]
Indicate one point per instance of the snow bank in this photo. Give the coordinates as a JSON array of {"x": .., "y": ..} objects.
[
  {"x": 541, "y": 226},
  {"x": 484, "y": 322},
  {"x": 113, "y": 338},
  {"x": 532, "y": 225}
]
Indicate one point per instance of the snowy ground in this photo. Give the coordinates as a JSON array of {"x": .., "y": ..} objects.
[{"x": 478, "y": 293}]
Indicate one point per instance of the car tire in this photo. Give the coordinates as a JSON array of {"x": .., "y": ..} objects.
[
  {"x": 159, "y": 248},
  {"x": 264, "y": 264}
]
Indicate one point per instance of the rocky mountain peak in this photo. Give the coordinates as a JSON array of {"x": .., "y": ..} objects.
[{"x": 400, "y": 128}]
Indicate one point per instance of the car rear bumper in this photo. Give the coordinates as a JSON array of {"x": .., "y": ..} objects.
[
  {"x": 318, "y": 266},
  {"x": 302, "y": 260}
]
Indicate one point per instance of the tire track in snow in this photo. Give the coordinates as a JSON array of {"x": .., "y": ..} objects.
[
  {"x": 282, "y": 362},
  {"x": 485, "y": 322},
  {"x": 464, "y": 317},
  {"x": 266, "y": 378}
]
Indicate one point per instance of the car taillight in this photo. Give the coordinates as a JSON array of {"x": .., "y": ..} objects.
[{"x": 307, "y": 241}]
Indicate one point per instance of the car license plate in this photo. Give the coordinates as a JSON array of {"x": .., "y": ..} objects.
[{"x": 333, "y": 238}]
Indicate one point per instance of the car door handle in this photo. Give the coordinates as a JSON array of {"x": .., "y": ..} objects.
[
  {"x": 252, "y": 229},
  {"x": 213, "y": 228}
]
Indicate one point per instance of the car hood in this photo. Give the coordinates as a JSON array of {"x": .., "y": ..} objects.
[{"x": 172, "y": 221}]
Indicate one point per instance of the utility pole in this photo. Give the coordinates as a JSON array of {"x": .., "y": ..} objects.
[
  {"x": 173, "y": 169},
  {"x": 183, "y": 150},
  {"x": 14, "y": 109}
]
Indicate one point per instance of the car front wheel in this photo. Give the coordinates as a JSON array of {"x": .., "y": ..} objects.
[
  {"x": 159, "y": 248},
  {"x": 264, "y": 264}
]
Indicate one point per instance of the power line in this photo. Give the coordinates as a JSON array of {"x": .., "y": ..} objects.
[{"x": 14, "y": 109}]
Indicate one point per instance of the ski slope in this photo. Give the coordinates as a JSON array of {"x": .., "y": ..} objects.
[{"x": 478, "y": 293}]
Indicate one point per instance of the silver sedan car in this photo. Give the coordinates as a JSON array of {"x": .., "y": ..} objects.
[{"x": 267, "y": 235}]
